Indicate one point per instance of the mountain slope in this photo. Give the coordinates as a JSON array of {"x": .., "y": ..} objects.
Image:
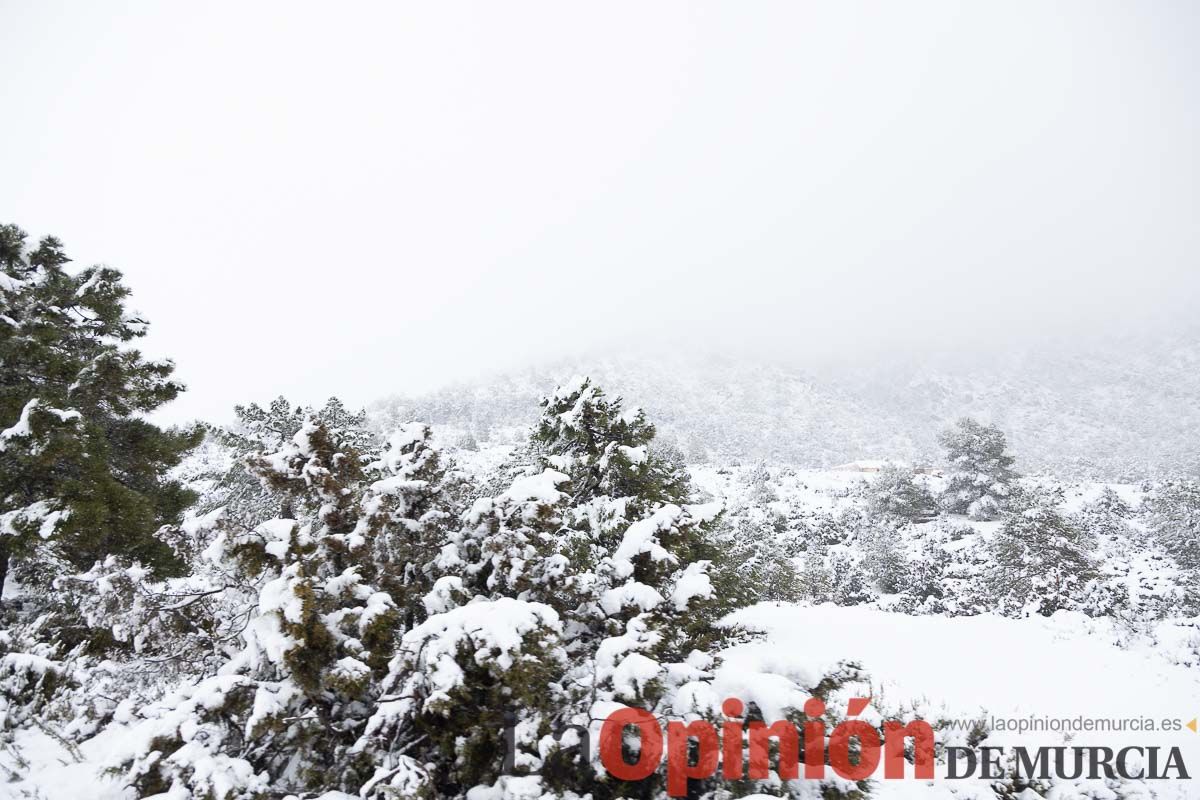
[{"x": 1114, "y": 411}]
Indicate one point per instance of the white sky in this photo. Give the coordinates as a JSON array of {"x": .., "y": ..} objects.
[{"x": 365, "y": 199}]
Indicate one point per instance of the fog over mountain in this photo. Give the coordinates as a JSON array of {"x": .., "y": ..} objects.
[{"x": 1118, "y": 410}]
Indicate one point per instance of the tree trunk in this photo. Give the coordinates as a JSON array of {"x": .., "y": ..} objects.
[{"x": 3, "y": 567}]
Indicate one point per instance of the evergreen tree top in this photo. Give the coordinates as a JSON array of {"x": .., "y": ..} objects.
[
  {"x": 604, "y": 447},
  {"x": 978, "y": 447},
  {"x": 73, "y": 397}
]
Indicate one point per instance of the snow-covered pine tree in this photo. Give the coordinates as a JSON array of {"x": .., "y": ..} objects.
[
  {"x": 924, "y": 587},
  {"x": 256, "y": 429},
  {"x": 593, "y": 571},
  {"x": 82, "y": 472},
  {"x": 850, "y": 586},
  {"x": 757, "y": 554},
  {"x": 630, "y": 524},
  {"x": 883, "y": 557},
  {"x": 815, "y": 578},
  {"x": 409, "y": 507},
  {"x": 263, "y": 430},
  {"x": 605, "y": 450},
  {"x": 1040, "y": 563},
  {"x": 351, "y": 427},
  {"x": 488, "y": 654},
  {"x": 894, "y": 493},
  {"x": 644, "y": 632},
  {"x": 284, "y": 714},
  {"x": 759, "y": 482},
  {"x": 1107, "y": 518},
  {"x": 981, "y": 474}
]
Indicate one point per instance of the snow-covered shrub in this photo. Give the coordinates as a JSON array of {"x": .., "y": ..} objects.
[
  {"x": 1172, "y": 513},
  {"x": 883, "y": 555},
  {"x": 894, "y": 493},
  {"x": 407, "y": 509},
  {"x": 1041, "y": 563},
  {"x": 28, "y": 683},
  {"x": 201, "y": 742},
  {"x": 815, "y": 581},
  {"x": 758, "y": 480},
  {"x": 289, "y": 704},
  {"x": 120, "y": 609},
  {"x": 1108, "y": 517},
  {"x": 924, "y": 585},
  {"x": 256, "y": 429},
  {"x": 850, "y": 585},
  {"x": 962, "y": 559},
  {"x": 758, "y": 555},
  {"x": 459, "y": 678}
]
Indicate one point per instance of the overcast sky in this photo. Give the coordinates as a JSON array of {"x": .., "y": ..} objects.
[{"x": 366, "y": 199}]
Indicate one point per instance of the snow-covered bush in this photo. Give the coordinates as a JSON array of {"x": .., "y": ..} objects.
[
  {"x": 287, "y": 707},
  {"x": 411, "y": 502},
  {"x": 459, "y": 679},
  {"x": 587, "y": 583},
  {"x": 924, "y": 586},
  {"x": 1172, "y": 513},
  {"x": 851, "y": 587},
  {"x": 884, "y": 559},
  {"x": 28, "y": 683},
  {"x": 758, "y": 555},
  {"x": 894, "y": 493},
  {"x": 815, "y": 578},
  {"x": 1041, "y": 563}
]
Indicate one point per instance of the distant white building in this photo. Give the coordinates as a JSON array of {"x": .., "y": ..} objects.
[
  {"x": 874, "y": 465},
  {"x": 865, "y": 465}
]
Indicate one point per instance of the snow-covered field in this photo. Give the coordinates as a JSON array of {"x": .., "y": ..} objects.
[{"x": 969, "y": 668}]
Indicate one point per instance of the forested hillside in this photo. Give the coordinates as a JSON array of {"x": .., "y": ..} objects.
[{"x": 1118, "y": 410}]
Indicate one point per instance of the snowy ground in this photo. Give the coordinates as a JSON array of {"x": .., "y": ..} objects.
[{"x": 1066, "y": 666}]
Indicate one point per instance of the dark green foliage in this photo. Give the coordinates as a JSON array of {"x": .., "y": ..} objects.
[{"x": 79, "y": 465}]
